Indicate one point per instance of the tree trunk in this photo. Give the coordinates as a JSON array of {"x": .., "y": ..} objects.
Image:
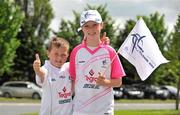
[{"x": 177, "y": 96}]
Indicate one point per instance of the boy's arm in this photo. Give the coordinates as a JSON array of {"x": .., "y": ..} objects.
[
  {"x": 38, "y": 69},
  {"x": 108, "y": 82}
]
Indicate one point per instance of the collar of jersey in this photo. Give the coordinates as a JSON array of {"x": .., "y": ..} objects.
[
  {"x": 53, "y": 67},
  {"x": 94, "y": 50}
]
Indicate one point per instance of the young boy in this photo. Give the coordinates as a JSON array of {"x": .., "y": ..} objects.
[
  {"x": 95, "y": 68},
  {"x": 54, "y": 78}
]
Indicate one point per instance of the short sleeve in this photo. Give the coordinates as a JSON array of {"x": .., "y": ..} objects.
[
  {"x": 72, "y": 68},
  {"x": 117, "y": 70},
  {"x": 72, "y": 63}
]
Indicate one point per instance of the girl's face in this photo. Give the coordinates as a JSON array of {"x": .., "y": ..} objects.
[
  {"x": 92, "y": 29},
  {"x": 57, "y": 56}
]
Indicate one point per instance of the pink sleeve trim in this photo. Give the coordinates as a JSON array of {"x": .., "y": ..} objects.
[
  {"x": 72, "y": 64},
  {"x": 117, "y": 70}
]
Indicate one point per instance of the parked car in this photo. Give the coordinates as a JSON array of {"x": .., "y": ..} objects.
[
  {"x": 172, "y": 91},
  {"x": 0, "y": 93},
  {"x": 152, "y": 91},
  {"x": 23, "y": 89},
  {"x": 130, "y": 92},
  {"x": 118, "y": 92}
]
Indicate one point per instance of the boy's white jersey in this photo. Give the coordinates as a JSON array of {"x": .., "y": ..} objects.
[
  {"x": 90, "y": 98},
  {"x": 57, "y": 90}
]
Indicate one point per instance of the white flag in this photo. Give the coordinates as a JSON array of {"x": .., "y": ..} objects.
[{"x": 141, "y": 50}]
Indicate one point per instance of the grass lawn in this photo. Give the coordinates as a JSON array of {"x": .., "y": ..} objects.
[
  {"x": 19, "y": 100},
  {"x": 145, "y": 101},
  {"x": 147, "y": 112},
  {"x": 29, "y": 100},
  {"x": 138, "y": 112}
]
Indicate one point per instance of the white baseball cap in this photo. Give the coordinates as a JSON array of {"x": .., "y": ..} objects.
[{"x": 89, "y": 15}]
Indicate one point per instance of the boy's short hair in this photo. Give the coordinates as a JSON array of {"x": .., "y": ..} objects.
[
  {"x": 89, "y": 15},
  {"x": 58, "y": 42}
]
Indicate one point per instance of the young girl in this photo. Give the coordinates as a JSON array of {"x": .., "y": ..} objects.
[{"x": 95, "y": 68}]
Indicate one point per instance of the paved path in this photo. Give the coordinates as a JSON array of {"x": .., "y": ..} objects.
[
  {"x": 18, "y": 108},
  {"x": 144, "y": 106}
]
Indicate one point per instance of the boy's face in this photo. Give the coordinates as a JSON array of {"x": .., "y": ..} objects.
[
  {"x": 92, "y": 29},
  {"x": 57, "y": 56}
]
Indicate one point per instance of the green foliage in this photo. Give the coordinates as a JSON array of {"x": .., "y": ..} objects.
[
  {"x": 34, "y": 32},
  {"x": 123, "y": 33},
  {"x": 173, "y": 52},
  {"x": 171, "y": 70},
  {"x": 68, "y": 30},
  {"x": 10, "y": 21}
]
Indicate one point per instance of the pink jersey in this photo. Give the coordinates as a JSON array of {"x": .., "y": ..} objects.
[{"x": 90, "y": 98}]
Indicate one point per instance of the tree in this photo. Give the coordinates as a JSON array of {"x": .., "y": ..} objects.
[
  {"x": 34, "y": 32},
  {"x": 155, "y": 23},
  {"x": 10, "y": 22},
  {"x": 174, "y": 55},
  {"x": 68, "y": 29}
]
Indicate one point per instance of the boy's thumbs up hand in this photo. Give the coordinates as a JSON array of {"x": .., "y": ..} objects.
[
  {"x": 105, "y": 39},
  {"x": 37, "y": 63},
  {"x": 37, "y": 57}
]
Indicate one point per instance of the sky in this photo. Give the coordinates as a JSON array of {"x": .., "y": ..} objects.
[{"x": 119, "y": 10}]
